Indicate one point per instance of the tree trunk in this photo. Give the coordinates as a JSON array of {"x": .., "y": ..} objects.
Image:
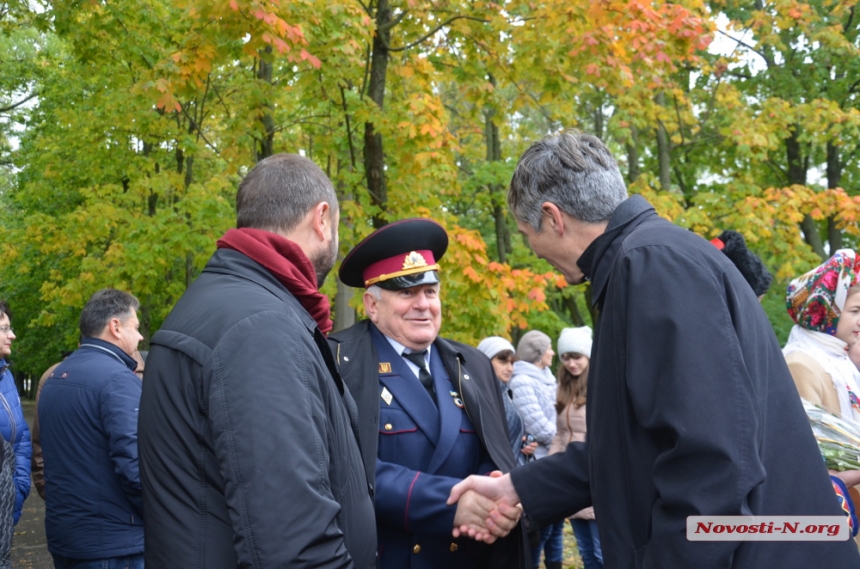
[
  {"x": 663, "y": 151},
  {"x": 573, "y": 310},
  {"x": 592, "y": 308},
  {"x": 503, "y": 234},
  {"x": 344, "y": 314},
  {"x": 834, "y": 180},
  {"x": 494, "y": 154},
  {"x": 374, "y": 156},
  {"x": 797, "y": 176},
  {"x": 632, "y": 156},
  {"x": 265, "y": 144},
  {"x": 598, "y": 119}
]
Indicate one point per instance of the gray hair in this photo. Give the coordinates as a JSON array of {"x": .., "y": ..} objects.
[
  {"x": 279, "y": 191},
  {"x": 102, "y": 306},
  {"x": 572, "y": 170}
]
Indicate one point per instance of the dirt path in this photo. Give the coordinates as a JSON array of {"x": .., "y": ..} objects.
[{"x": 29, "y": 549}]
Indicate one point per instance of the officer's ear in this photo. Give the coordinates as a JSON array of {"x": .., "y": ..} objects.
[{"x": 371, "y": 305}]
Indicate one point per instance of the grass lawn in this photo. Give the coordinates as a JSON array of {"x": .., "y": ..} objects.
[{"x": 571, "y": 555}]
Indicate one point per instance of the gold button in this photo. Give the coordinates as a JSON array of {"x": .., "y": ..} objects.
[
  {"x": 388, "y": 427},
  {"x": 453, "y": 547},
  {"x": 416, "y": 549}
]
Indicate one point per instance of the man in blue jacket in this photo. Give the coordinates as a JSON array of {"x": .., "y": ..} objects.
[{"x": 88, "y": 419}]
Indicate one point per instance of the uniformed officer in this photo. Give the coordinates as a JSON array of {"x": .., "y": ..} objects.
[{"x": 429, "y": 409}]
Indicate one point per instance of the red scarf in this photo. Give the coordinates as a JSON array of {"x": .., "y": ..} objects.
[{"x": 288, "y": 263}]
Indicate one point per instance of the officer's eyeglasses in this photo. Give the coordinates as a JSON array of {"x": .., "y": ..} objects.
[{"x": 6, "y": 330}]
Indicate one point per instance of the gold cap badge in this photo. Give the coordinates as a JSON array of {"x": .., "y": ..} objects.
[{"x": 414, "y": 260}]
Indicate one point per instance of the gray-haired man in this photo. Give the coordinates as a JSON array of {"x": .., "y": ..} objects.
[{"x": 691, "y": 409}]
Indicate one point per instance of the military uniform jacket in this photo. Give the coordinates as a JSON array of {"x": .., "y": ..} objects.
[
  {"x": 691, "y": 412},
  {"x": 422, "y": 451}
]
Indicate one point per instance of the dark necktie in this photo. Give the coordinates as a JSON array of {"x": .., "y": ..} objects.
[{"x": 424, "y": 376}]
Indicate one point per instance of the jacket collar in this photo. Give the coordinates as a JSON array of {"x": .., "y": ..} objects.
[
  {"x": 234, "y": 263},
  {"x": 239, "y": 265},
  {"x": 111, "y": 350},
  {"x": 597, "y": 260},
  {"x": 533, "y": 371}
]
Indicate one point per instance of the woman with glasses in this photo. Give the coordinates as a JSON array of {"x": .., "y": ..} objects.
[
  {"x": 15, "y": 475},
  {"x": 574, "y": 345}
]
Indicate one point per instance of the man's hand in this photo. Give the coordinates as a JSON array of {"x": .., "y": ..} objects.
[
  {"x": 472, "y": 512},
  {"x": 499, "y": 519}
]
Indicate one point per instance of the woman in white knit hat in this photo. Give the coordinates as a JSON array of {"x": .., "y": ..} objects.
[
  {"x": 574, "y": 347},
  {"x": 534, "y": 390}
]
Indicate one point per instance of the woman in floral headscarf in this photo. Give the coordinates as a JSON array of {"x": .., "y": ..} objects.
[{"x": 825, "y": 305}]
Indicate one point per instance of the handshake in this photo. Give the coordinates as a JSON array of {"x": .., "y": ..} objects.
[{"x": 488, "y": 507}]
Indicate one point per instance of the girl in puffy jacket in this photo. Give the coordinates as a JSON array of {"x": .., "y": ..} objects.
[{"x": 574, "y": 345}]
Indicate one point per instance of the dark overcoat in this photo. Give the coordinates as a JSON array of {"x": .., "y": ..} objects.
[
  {"x": 416, "y": 451},
  {"x": 691, "y": 411},
  {"x": 248, "y": 446}
]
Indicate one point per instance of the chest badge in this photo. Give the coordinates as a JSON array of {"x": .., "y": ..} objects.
[
  {"x": 386, "y": 396},
  {"x": 456, "y": 397},
  {"x": 384, "y": 367}
]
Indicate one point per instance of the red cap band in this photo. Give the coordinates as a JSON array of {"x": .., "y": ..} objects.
[{"x": 400, "y": 265}]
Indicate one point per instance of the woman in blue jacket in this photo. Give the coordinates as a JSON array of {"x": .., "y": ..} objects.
[{"x": 13, "y": 427}]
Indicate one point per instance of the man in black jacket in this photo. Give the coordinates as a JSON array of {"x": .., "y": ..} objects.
[
  {"x": 247, "y": 435},
  {"x": 430, "y": 413},
  {"x": 691, "y": 408}
]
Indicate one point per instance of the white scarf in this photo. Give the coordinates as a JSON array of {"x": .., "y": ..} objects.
[{"x": 829, "y": 351}]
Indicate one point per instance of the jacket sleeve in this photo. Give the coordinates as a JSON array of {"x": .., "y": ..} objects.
[
  {"x": 554, "y": 487},
  {"x": 812, "y": 382},
  {"x": 690, "y": 389},
  {"x": 413, "y": 501},
  {"x": 37, "y": 463},
  {"x": 267, "y": 398},
  {"x": 119, "y": 410},
  {"x": 535, "y": 421},
  {"x": 22, "y": 447},
  {"x": 515, "y": 425}
]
